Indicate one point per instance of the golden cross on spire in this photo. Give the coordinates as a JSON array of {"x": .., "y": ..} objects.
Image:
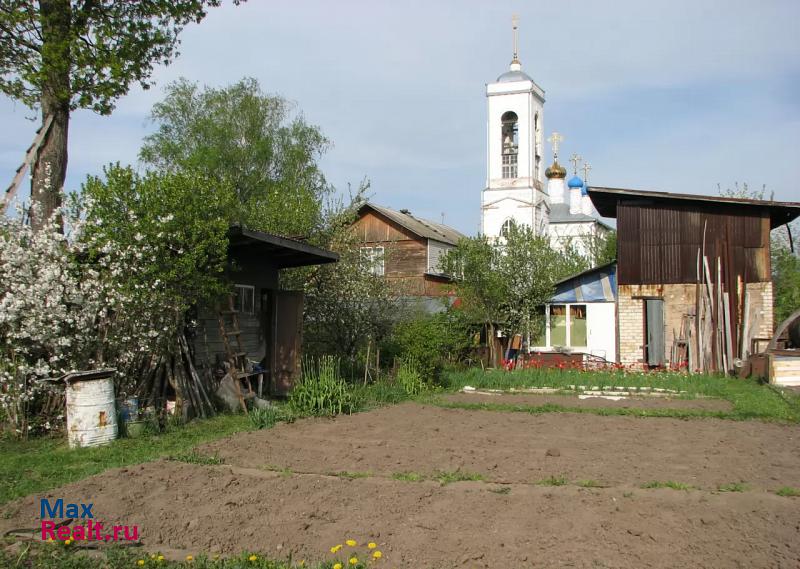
[
  {"x": 575, "y": 159},
  {"x": 514, "y": 26},
  {"x": 586, "y": 168},
  {"x": 555, "y": 140}
]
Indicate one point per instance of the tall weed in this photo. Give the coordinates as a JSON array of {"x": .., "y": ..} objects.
[{"x": 322, "y": 391}]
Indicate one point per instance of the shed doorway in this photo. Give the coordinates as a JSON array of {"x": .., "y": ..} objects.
[{"x": 654, "y": 332}]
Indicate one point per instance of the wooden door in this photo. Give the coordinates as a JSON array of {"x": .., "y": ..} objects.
[{"x": 287, "y": 340}]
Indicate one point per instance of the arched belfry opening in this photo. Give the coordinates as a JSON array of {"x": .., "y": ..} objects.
[{"x": 510, "y": 143}]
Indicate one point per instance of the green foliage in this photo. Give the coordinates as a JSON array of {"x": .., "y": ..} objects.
[
  {"x": 554, "y": 481},
  {"x": 408, "y": 476},
  {"x": 508, "y": 281},
  {"x": 102, "y": 47},
  {"x": 409, "y": 377},
  {"x": 182, "y": 216},
  {"x": 446, "y": 477},
  {"x": 788, "y": 492},
  {"x": 667, "y": 484},
  {"x": 750, "y": 399},
  {"x": 431, "y": 340},
  {"x": 239, "y": 136},
  {"x": 322, "y": 391},
  {"x": 786, "y": 280},
  {"x": 40, "y": 464},
  {"x": 264, "y": 418},
  {"x": 195, "y": 457}
]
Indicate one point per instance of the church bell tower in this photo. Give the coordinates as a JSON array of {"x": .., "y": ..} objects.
[{"x": 514, "y": 191}]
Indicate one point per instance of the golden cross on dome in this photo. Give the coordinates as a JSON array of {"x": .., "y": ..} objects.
[
  {"x": 586, "y": 168},
  {"x": 575, "y": 159},
  {"x": 514, "y": 26},
  {"x": 555, "y": 140}
]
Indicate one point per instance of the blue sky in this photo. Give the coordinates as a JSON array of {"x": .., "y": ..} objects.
[{"x": 671, "y": 95}]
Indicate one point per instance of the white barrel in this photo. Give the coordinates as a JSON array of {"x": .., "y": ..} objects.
[{"x": 91, "y": 413}]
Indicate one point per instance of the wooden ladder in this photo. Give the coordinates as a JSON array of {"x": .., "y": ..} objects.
[{"x": 236, "y": 355}]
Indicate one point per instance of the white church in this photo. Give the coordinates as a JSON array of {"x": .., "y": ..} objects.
[{"x": 516, "y": 191}]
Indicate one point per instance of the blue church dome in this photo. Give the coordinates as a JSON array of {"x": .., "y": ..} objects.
[
  {"x": 575, "y": 182},
  {"x": 584, "y": 190}
]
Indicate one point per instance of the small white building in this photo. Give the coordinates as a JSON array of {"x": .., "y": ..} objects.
[{"x": 581, "y": 316}]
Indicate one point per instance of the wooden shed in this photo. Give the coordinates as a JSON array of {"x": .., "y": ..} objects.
[
  {"x": 694, "y": 279},
  {"x": 270, "y": 320}
]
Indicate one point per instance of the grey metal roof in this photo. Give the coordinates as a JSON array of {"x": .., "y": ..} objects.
[
  {"x": 419, "y": 226},
  {"x": 510, "y": 76},
  {"x": 280, "y": 252},
  {"x": 559, "y": 213}
]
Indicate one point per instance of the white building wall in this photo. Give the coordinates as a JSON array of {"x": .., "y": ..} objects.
[
  {"x": 601, "y": 330},
  {"x": 580, "y": 234}
]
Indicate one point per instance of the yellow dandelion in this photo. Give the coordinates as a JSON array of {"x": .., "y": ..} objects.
[
  {"x": 160, "y": 558},
  {"x": 302, "y": 563},
  {"x": 337, "y": 566},
  {"x": 372, "y": 545},
  {"x": 353, "y": 560},
  {"x": 140, "y": 562},
  {"x": 189, "y": 558},
  {"x": 152, "y": 556},
  {"x": 351, "y": 542},
  {"x": 336, "y": 548},
  {"x": 253, "y": 558},
  {"x": 377, "y": 554},
  {"x": 67, "y": 542}
]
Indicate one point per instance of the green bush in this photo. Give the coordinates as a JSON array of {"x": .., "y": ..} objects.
[
  {"x": 322, "y": 391},
  {"x": 431, "y": 340}
]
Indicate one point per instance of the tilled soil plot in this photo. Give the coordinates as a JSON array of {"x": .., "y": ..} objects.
[{"x": 243, "y": 505}]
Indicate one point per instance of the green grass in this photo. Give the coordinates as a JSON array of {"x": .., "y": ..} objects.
[
  {"x": 750, "y": 399},
  {"x": 788, "y": 491},
  {"x": 56, "y": 556},
  {"x": 408, "y": 476},
  {"x": 667, "y": 484},
  {"x": 194, "y": 457},
  {"x": 733, "y": 487},
  {"x": 553, "y": 481},
  {"x": 591, "y": 484},
  {"x": 446, "y": 477},
  {"x": 40, "y": 464}
]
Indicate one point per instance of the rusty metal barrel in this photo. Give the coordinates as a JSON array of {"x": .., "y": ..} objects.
[{"x": 91, "y": 410}]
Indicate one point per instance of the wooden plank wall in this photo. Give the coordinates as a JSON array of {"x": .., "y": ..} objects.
[{"x": 658, "y": 243}]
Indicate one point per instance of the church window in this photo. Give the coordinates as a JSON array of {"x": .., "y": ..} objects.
[
  {"x": 510, "y": 143},
  {"x": 506, "y": 227}
]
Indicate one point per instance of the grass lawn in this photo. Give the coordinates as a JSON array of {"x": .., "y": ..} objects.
[
  {"x": 43, "y": 463},
  {"x": 750, "y": 399}
]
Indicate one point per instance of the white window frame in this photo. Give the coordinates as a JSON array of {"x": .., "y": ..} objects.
[
  {"x": 569, "y": 306},
  {"x": 374, "y": 255},
  {"x": 243, "y": 302}
]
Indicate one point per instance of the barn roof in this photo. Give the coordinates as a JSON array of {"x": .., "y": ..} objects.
[
  {"x": 281, "y": 252},
  {"x": 417, "y": 225},
  {"x": 605, "y": 201},
  {"x": 598, "y": 284}
]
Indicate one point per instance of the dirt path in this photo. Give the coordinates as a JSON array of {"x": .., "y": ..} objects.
[{"x": 185, "y": 508}]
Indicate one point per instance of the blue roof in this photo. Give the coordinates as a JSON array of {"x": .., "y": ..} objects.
[
  {"x": 575, "y": 182},
  {"x": 595, "y": 285}
]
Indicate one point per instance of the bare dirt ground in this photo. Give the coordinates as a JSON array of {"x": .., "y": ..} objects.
[{"x": 275, "y": 493}]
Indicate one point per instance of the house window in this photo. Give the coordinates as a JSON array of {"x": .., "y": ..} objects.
[
  {"x": 567, "y": 326},
  {"x": 244, "y": 299},
  {"x": 510, "y": 143},
  {"x": 373, "y": 258}
]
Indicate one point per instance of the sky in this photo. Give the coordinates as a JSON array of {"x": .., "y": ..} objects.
[{"x": 677, "y": 95}]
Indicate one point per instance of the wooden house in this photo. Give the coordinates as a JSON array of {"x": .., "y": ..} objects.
[
  {"x": 406, "y": 249},
  {"x": 270, "y": 320},
  {"x": 693, "y": 275}
]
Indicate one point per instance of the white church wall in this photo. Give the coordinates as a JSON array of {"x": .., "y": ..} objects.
[{"x": 525, "y": 107}]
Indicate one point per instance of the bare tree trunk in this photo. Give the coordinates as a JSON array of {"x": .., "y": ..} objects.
[{"x": 50, "y": 166}]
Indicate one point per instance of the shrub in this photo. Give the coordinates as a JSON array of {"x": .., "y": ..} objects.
[
  {"x": 264, "y": 418},
  {"x": 322, "y": 391},
  {"x": 431, "y": 340}
]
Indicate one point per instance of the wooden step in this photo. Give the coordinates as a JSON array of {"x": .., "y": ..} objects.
[{"x": 234, "y": 333}]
